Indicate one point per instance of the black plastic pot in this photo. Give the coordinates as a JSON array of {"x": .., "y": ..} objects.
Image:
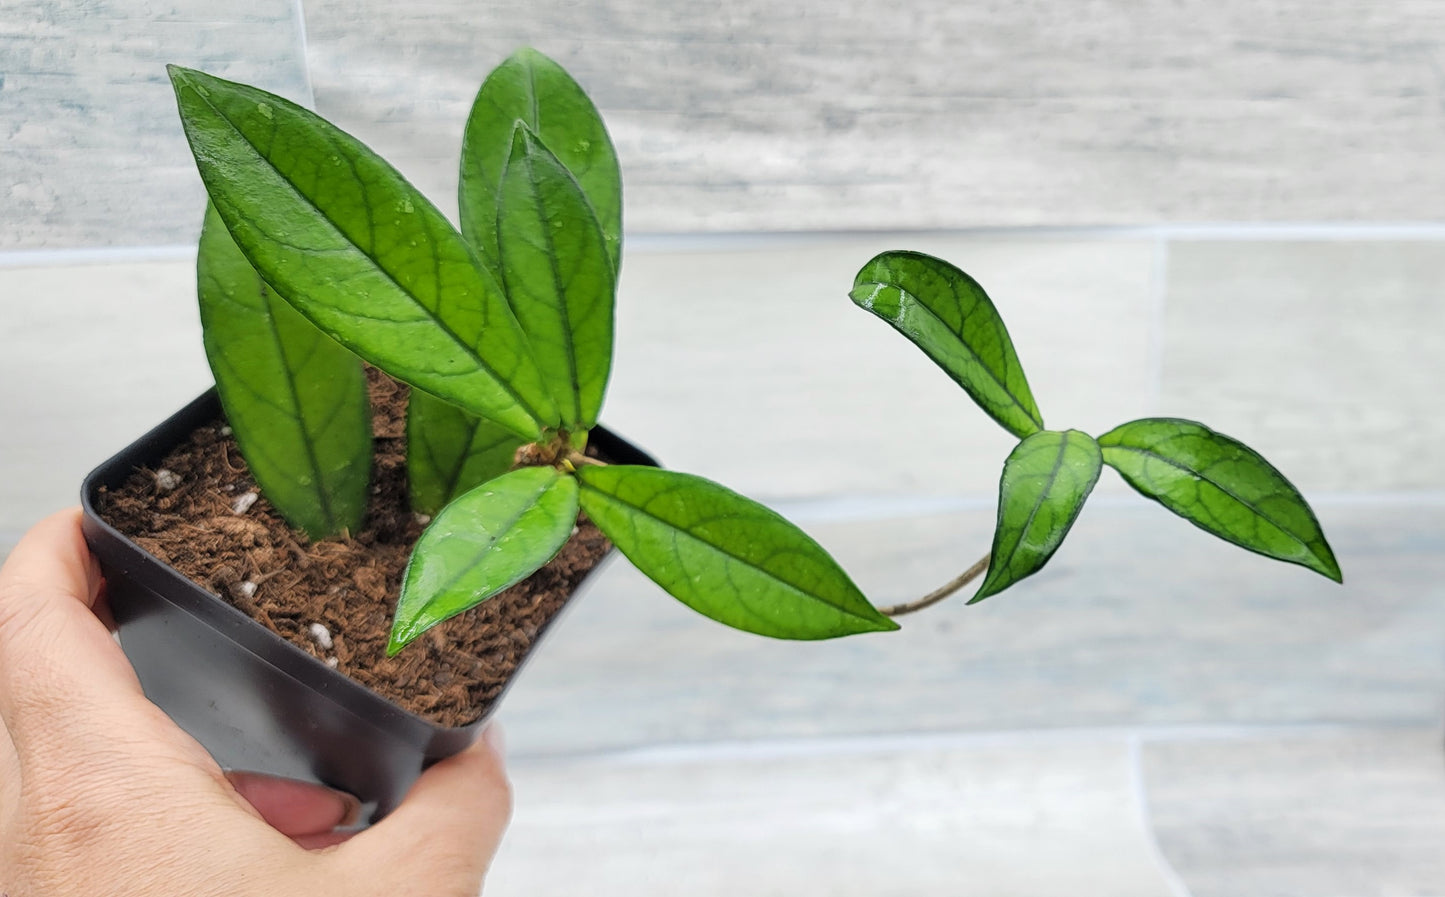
[{"x": 254, "y": 700}]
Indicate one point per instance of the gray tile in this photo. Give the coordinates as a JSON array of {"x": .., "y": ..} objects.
[
  {"x": 93, "y": 355},
  {"x": 1139, "y": 620},
  {"x": 1001, "y": 819},
  {"x": 793, "y": 116},
  {"x": 1325, "y": 356},
  {"x": 1346, "y": 815},
  {"x": 753, "y": 367},
  {"x": 90, "y": 146}
]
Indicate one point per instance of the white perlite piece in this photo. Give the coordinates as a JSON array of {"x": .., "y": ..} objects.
[
  {"x": 321, "y": 634},
  {"x": 423, "y": 519},
  {"x": 243, "y": 504},
  {"x": 248, "y": 589},
  {"x": 225, "y": 431},
  {"x": 332, "y": 662},
  {"x": 166, "y": 480}
]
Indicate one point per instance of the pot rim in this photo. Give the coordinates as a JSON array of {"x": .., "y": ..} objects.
[{"x": 239, "y": 627}]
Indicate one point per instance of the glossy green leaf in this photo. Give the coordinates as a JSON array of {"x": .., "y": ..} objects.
[
  {"x": 1045, "y": 481},
  {"x": 558, "y": 277},
  {"x": 724, "y": 555},
  {"x": 530, "y": 88},
  {"x": 947, "y": 314},
  {"x": 491, "y": 538},
  {"x": 354, "y": 247},
  {"x": 1222, "y": 486},
  {"x": 449, "y": 452},
  {"x": 295, "y": 399}
]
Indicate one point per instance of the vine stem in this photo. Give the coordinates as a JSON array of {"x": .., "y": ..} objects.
[
  {"x": 939, "y": 593},
  {"x": 577, "y": 459}
]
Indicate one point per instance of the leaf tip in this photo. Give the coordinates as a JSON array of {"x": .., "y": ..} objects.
[
  {"x": 1326, "y": 565},
  {"x": 396, "y": 642},
  {"x": 527, "y": 54},
  {"x": 180, "y": 75},
  {"x": 884, "y": 623},
  {"x": 987, "y": 590}
]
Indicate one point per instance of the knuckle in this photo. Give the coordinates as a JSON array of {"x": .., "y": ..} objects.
[{"x": 454, "y": 872}]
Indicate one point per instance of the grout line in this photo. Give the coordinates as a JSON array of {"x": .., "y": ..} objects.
[
  {"x": 740, "y": 241},
  {"x": 682, "y": 754},
  {"x": 97, "y": 255},
  {"x": 848, "y": 508},
  {"x": 1176, "y": 884},
  {"x": 862, "y": 508},
  {"x": 735, "y": 241},
  {"x": 1158, "y": 320},
  {"x": 305, "y": 45}
]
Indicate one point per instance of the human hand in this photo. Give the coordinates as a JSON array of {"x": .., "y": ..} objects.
[{"x": 101, "y": 794}]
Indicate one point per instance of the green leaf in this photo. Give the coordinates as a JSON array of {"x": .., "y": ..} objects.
[
  {"x": 354, "y": 247},
  {"x": 947, "y": 314},
  {"x": 1220, "y": 485},
  {"x": 558, "y": 277},
  {"x": 724, "y": 555},
  {"x": 449, "y": 452},
  {"x": 491, "y": 538},
  {"x": 530, "y": 88},
  {"x": 296, "y": 400},
  {"x": 1045, "y": 481}
]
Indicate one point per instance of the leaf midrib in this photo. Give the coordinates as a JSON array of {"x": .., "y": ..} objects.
[
  {"x": 1201, "y": 475},
  {"x": 978, "y": 359},
  {"x": 322, "y": 488},
  {"x": 431, "y": 315},
  {"x": 506, "y": 527},
  {"x": 677, "y": 529},
  {"x": 1043, "y": 494},
  {"x": 563, "y": 309}
]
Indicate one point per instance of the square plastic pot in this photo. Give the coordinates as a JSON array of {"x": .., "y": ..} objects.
[{"x": 252, "y": 699}]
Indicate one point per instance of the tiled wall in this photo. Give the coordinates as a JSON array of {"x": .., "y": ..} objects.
[
  {"x": 763, "y": 116},
  {"x": 1320, "y": 344},
  {"x": 1235, "y": 214}
]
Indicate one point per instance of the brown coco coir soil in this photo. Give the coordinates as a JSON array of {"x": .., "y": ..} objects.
[{"x": 188, "y": 518}]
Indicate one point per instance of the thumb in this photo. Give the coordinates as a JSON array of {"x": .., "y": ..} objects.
[
  {"x": 445, "y": 833},
  {"x": 58, "y": 662}
]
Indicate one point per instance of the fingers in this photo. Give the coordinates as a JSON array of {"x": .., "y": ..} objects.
[
  {"x": 322, "y": 840},
  {"x": 57, "y": 659},
  {"x": 293, "y": 808},
  {"x": 451, "y": 822},
  {"x": 54, "y": 553}
]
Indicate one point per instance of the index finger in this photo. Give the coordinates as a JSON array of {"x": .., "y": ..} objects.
[{"x": 57, "y": 659}]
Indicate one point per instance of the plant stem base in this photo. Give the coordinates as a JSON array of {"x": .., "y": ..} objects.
[{"x": 334, "y": 598}]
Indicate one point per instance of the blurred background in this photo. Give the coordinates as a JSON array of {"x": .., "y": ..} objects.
[{"x": 1229, "y": 211}]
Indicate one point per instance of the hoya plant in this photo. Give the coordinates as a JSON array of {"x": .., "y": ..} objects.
[
  {"x": 1215, "y": 482},
  {"x": 316, "y": 256}
]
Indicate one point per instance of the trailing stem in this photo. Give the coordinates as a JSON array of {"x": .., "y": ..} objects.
[
  {"x": 939, "y": 593},
  {"x": 577, "y": 459}
]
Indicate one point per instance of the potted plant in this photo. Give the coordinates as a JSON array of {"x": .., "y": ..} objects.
[{"x": 494, "y": 343}]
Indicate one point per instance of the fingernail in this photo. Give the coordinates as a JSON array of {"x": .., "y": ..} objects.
[
  {"x": 350, "y": 809},
  {"x": 496, "y": 739}
]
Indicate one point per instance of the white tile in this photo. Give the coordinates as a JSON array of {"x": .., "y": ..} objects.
[
  {"x": 754, "y": 368},
  {"x": 1327, "y": 357},
  {"x": 771, "y": 116},
  {"x": 1340, "y": 815},
  {"x": 90, "y": 145},
  {"x": 990, "y": 820},
  {"x": 1140, "y": 619},
  {"x": 92, "y": 356}
]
